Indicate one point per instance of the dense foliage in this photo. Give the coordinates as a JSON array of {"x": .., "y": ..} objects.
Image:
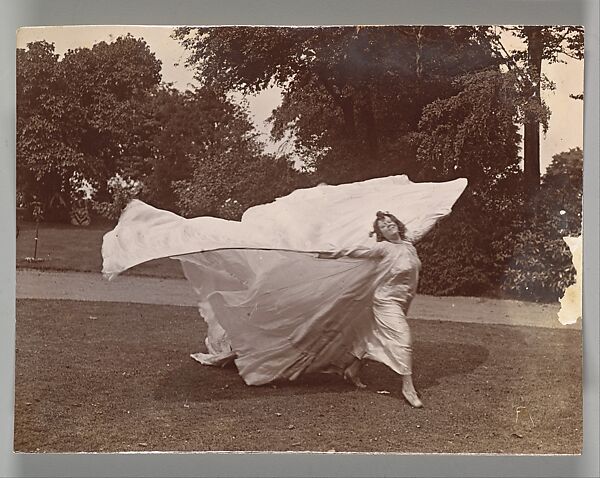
[
  {"x": 208, "y": 159},
  {"x": 351, "y": 95},
  {"x": 509, "y": 247},
  {"x": 541, "y": 266},
  {"x": 473, "y": 135},
  {"x": 99, "y": 119},
  {"x": 81, "y": 115}
]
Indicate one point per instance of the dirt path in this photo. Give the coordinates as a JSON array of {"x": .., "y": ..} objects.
[{"x": 32, "y": 284}]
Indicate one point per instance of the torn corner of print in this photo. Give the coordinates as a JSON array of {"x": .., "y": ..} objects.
[{"x": 571, "y": 302}]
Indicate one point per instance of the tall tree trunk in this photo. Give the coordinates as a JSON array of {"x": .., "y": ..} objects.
[
  {"x": 418, "y": 55},
  {"x": 535, "y": 50},
  {"x": 371, "y": 133},
  {"x": 347, "y": 105},
  {"x": 365, "y": 100}
]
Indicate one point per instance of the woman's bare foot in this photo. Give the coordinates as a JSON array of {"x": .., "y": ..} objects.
[
  {"x": 412, "y": 398},
  {"x": 409, "y": 392}
]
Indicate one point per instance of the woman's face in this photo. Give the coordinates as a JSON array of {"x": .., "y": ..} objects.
[{"x": 389, "y": 229}]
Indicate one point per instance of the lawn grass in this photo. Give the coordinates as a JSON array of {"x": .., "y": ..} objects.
[
  {"x": 107, "y": 377},
  {"x": 64, "y": 247}
]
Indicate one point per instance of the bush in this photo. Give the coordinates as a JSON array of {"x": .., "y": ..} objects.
[
  {"x": 496, "y": 244},
  {"x": 467, "y": 252},
  {"x": 541, "y": 267}
]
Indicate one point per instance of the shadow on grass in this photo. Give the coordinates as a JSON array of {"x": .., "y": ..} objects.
[{"x": 433, "y": 361}]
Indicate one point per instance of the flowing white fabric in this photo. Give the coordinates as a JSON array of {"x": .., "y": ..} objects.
[
  {"x": 323, "y": 218},
  {"x": 270, "y": 303}
]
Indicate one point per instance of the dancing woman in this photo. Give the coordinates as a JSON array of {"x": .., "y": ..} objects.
[
  {"x": 271, "y": 301},
  {"x": 389, "y": 339}
]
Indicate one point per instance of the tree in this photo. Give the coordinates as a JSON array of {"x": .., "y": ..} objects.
[
  {"x": 207, "y": 160},
  {"x": 472, "y": 134},
  {"x": 544, "y": 44},
  {"x": 45, "y": 156},
  {"x": 108, "y": 115},
  {"x": 81, "y": 114},
  {"x": 351, "y": 94},
  {"x": 181, "y": 120}
]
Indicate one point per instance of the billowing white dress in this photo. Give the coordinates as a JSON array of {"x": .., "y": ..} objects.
[{"x": 271, "y": 304}]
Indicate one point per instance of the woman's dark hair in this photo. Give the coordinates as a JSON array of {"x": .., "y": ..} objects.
[{"x": 382, "y": 215}]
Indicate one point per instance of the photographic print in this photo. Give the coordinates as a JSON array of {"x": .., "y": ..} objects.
[{"x": 301, "y": 239}]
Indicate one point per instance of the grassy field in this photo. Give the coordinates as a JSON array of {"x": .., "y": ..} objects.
[
  {"x": 65, "y": 247},
  {"x": 108, "y": 377}
]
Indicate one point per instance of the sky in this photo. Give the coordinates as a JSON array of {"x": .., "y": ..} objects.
[{"x": 565, "y": 128}]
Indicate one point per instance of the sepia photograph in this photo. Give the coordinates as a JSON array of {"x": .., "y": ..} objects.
[{"x": 333, "y": 239}]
